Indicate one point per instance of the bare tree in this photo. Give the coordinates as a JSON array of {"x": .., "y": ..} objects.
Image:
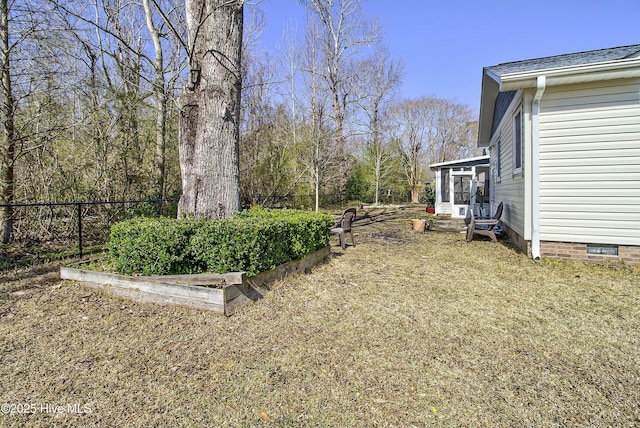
[
  {"x": 159, "y": 91},
  {"x": 7, "y": 135},
  {"x": 318, "y": 150},
  {"x": 454, "y": 130},
  {"x": 429, "y": 130},
  {"x": 81, "y": 80},
  {"x": 411, "y": 136},
  {"x": 165, "y": 18},
  {"x": 342, "y": 31},
  {"x": 265, "y": 162},
  {"x": 119, "y": 60},
  {"x": 209, "y": 121},
  {"x": 22, "y": 31},
  {"x": 292, "y": 67},
  {"x": 379, "y": 77}
]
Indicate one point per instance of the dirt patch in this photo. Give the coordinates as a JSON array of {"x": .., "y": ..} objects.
[{"x": 405, "y": 329}]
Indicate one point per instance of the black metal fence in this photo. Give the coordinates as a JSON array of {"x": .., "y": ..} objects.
[
  {"x": 49, "y": 231},
  {"x": 302, "y": 202},
  {"x": 55, "y": 230},
  {"x": 337, "y": 200}
]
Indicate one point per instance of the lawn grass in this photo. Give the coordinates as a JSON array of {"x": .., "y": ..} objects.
[{"x": 405, "y": 329}]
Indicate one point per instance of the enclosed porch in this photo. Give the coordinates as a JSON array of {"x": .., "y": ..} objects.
[{"x": 462, "y": 184}]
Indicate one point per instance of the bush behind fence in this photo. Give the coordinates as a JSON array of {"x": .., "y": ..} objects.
[{"x": 49, "y": 231}]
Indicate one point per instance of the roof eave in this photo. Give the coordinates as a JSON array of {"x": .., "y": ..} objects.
[
  {"x": 620, "y": 69},
  {"x": 492, "y": 84},
  {"x": 461, "y": 161},
  {"x": 490, "y": 89}
]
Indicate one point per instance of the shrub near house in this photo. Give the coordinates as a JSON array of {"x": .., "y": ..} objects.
[{"x": 253, "y": 241}]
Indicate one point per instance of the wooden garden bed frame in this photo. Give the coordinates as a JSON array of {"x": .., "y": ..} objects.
[{"x": 221, "y": 293}]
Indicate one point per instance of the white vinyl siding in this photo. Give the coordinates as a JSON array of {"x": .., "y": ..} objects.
[
  {"x": 509, "y": 188},
  {"x": 590, "y": 163}
]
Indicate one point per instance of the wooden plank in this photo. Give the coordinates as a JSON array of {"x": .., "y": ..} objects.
[
  {"x": 221, "y": 293},
  {"x": 162, "y": 299},
  {"x": 204, "y": 278},
  {"x": 256, "y": 286},
  {"x": 289, "y": 268},
  {"x": 144, "y": 284}
]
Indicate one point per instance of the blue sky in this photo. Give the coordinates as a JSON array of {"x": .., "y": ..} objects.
[{"x": 445, "y": 44}]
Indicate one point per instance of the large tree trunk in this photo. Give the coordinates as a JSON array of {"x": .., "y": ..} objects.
[
  {"x": 415, "y": 196},
  {"x": 7, "y": 133},
  {"x": 209, "y": 120}
]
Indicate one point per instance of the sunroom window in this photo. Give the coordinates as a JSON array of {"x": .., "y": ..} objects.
[{"x": 444, "y": 185}]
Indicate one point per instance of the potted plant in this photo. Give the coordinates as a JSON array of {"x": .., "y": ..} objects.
[
  {"x": 419, "y": 225},
  {"x": 430, "y": 198}
]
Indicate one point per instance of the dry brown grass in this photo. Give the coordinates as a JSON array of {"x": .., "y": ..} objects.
[{"x": 403, "y": 330}]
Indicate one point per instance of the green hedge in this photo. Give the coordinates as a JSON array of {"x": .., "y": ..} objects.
[
  {"x": 253, "y": 241},
  {"x": 153, "y": 246}
]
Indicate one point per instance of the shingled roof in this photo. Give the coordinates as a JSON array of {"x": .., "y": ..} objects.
[
  {"x": 499, "y": 81},
  {"x": 567, "y": 60}
]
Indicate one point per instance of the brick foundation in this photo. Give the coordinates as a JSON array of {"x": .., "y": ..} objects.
[
  {"x": 572, "y": 250},
  {"x": 516, "y": 240}
]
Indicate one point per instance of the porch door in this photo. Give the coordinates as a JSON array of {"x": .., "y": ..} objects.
[{"x": 461, "y": 193}]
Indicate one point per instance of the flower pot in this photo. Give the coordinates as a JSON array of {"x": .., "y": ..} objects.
[
  {"x": 418, "y": 225},
  {"x": 431, "y": 210}
]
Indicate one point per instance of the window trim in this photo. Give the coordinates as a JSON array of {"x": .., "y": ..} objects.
[
  {"x": 518, "y": 145},
  {"x": 498, "y": 161},
  {"x": 445, "y": 180}
]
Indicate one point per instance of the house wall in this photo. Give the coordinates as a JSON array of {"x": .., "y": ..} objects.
[
  {"x": 590, "y": 163},
  {"x": 509, "y": 187}
]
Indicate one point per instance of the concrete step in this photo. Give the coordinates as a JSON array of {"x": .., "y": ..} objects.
[{"x": 449, "y": 225}]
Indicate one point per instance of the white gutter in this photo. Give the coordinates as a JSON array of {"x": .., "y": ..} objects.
[
  {"x": 541, "y": 84},
  {"x": 618, "y": 69}
]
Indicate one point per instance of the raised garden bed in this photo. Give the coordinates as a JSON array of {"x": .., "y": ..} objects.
[{"x": 221, "y": 293}]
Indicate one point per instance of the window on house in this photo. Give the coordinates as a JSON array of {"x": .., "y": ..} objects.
[
  {"x": 444, "y": 184},
  {"x": 498, "y": 161},
  {"x": 517, "y": 142}
]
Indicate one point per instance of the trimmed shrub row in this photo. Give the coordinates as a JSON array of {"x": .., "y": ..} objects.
[{"x": 253, "y": 241}]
